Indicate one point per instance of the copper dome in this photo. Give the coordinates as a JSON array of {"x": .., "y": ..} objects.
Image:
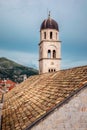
[{"x": 49, "y": 24}]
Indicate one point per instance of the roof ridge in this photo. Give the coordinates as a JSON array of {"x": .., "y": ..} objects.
[
  {"x": 57, "y": 106},
  {"x": 39, "y": 94}
]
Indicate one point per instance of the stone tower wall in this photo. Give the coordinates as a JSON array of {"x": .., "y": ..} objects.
[{"x": 49, "y": 63}]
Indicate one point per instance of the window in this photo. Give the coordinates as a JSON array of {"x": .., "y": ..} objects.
[
  {"x": 40, "y": 53},
  {"x": 56, "y": 36},
  {"x": 54, "y": 70},
  {"x": 51, "y": 70},
  {"x": 54, "y": 54},
  {"x": 51, "y": 35},
  {"x": 49, "y": 53},
  {"x": 44, "y": 35}
]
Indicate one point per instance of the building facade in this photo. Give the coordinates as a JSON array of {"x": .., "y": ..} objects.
[
  {"x": 49, "y": 46},
  {"x": 70, "y": 116}
]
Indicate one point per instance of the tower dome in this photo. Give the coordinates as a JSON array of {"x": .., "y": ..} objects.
[
  {"x": 49, "y": 46},
  {"x": 49, "y": 24}
]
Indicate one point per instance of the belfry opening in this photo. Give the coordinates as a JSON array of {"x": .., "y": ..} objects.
[{"x": 49, "y": 46}]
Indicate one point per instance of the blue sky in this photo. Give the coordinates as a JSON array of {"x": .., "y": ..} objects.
[{"x": 20, "y": 22}]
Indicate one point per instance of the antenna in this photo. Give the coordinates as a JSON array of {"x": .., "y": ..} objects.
[{"x": 49, "y": 15}]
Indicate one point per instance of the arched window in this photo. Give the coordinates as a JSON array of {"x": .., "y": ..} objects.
[
  {"x": 54, "y": 54},
  {"x": 49, "y": 53},
  {"x": 51, "y": 35},
  {"x": 54, "y": 70},
  {"x": 44, "y": 35},
  {"x": 40, "y": 53},
  {"x": 49, "y": 70},
  {"x": 56, "y": 36}
]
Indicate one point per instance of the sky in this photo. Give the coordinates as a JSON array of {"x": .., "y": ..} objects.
[{"x": 20, "y": 22}]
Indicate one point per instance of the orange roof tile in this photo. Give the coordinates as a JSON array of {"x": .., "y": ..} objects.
[
  {"x": 38, "y": 95},
  {"x": 10, "y": 82},
  {"x": 7, "y": 81}
]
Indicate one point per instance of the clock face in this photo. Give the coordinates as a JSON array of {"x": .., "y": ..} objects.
[{"x": 52, "y": 63}]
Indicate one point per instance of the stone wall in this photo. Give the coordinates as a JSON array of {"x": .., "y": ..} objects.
[{"x": 70, "y": 116}]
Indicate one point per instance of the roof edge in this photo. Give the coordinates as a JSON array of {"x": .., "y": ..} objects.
[{"x": 66, "y": 100}]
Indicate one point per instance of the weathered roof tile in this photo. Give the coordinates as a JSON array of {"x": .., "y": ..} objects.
[{"x": 36, "y": 96}]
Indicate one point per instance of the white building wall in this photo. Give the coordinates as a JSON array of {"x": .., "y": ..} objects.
[
  {"x": 51, "y": 64},
  {"x": 55, "y": 34},
  {"x": 49, "y": 44},
  {"x": 71, "y": 116}
]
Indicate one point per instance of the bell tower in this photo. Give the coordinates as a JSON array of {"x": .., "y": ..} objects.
[{"x": 49, "y": 46}]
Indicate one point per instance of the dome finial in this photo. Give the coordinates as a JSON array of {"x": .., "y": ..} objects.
[{"x": 49, "y": 15}]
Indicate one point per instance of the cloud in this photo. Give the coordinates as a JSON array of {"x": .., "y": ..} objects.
[
  {"x": 72, "y": 63},
  {"x": 31, "y": 59},
  {"x": 28, "y": 59},
  {"x": 20, "y": 22}
]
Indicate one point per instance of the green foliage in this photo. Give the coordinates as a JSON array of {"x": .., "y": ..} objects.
[{"x": 14, "y": 71}]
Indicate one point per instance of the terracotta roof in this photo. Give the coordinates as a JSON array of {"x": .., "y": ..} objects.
[
  {"x": 36, "y": 96},
  {"x": 10, "y": 82},
  {"x": 0, "y": 81},
  {"x": 7, "y": 82}
]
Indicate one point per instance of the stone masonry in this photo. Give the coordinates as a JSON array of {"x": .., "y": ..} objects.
[{"x": 71, "y": 116}]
